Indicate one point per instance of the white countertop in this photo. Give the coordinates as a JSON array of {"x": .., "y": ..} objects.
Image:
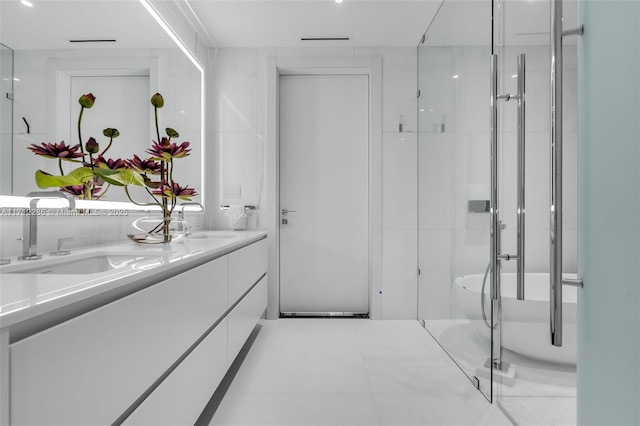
[{"x": 24, "y": 296}]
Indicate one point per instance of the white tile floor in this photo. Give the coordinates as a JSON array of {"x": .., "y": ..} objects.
[{"x": 350, "y": 372}]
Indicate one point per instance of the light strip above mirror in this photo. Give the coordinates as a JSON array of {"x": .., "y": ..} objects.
[
  {"x": 147, "y": 5},
  {"x": 152, "y": 10}
]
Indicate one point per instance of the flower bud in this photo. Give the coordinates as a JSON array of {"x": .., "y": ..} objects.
[
  {"x": 157, "y": 101},
  {"x": 87, "y": 100},
  {"x": 172, "y": 133},
  {"x": 92, "y": 146},
  {"x": 111, "y": 133}
]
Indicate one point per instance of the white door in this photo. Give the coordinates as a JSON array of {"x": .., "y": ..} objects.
[{"x": 324, "y": 184}]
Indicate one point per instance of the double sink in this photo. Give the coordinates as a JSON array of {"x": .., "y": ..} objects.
[
  {"x": 104, "y": 260},
  {"x": 88, "y": 263}
]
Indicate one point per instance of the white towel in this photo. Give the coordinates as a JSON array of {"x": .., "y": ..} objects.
[
  {"x": 235, "y": 211},
  {"x": 237, "y": 216}
]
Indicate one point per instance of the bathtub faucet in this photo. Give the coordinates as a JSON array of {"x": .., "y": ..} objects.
[{"x": 30, "y": 222}]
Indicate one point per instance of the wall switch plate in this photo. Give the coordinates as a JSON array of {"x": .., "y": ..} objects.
[{"x": 232, "y": 191}]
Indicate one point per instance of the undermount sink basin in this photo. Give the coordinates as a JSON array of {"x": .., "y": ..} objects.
[
  {"x": 100, "y": 262},
  {"x": 212, "y": 236}
]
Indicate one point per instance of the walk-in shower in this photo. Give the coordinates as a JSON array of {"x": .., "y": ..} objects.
[{"x": 493, "y": 149}]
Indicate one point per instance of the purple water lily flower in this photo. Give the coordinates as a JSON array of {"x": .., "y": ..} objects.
[
  {"x": 184, "y": 193},
  {"x": 56, "y": 150},
  {"x": 166, "y": 150},
  {"x": 110, "y": 163},
  {"x": 78, "y": 190},
  {"x": 148, "y": 165}
]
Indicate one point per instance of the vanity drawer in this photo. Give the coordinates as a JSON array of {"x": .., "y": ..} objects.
[
  {"x": 181, "y": 397},
  {"x": 246, "y": 266},
  {"x": 90, "y": 369},
  {"x": 243, "y": 318}
]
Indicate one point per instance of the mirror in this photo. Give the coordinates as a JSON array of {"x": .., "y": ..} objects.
[{"x": 112, "y": 48}]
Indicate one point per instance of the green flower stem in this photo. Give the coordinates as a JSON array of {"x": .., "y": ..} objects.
[
  {"x": 157, "y": 203},
  {"x": 60, "y": 167},
  {"x": 80, "y": 128},
  {"x": 103, "y": 192},
  {"x": 108, "y": 146},
  {"x": 155, "y": 114},
  {"x": 126, "y": 191},
  {"x": 173, "y": 196},
  {"x": 162, "y": 162}
]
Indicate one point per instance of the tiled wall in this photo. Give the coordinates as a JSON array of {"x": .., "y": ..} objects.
[{"x": 237, "y": 115}]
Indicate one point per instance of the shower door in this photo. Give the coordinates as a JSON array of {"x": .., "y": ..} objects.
[
  {"x": 454, "y": 159},
  {"x": 539, "y": 386}
]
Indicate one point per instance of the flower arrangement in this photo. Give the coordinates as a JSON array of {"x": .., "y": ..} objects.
[{"x": 94, "y": 171}]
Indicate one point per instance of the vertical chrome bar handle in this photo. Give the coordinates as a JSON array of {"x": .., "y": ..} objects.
[
  {"x": 493, "y": 208},
  {"x": 521, "y": 175},
  {"x": 556, "y": 175}
]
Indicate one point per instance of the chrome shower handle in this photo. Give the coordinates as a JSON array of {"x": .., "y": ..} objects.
[
  {"x": 555, "y": 272},
  {"x": 521, "y": 174},
  {"x": 494, "y": 227},
  {"x": 496, "y": 224}
]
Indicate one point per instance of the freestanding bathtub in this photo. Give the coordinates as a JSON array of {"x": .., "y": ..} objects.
[{"x": 525, "y": 323}]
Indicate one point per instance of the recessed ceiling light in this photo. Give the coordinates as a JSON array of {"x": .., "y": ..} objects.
[
  {"x": 332, "y": 38},
  {"x": 338, "y": 1},
  {"x": 26, "y": 3},
  {"x": 456, "y": 76},
  {"x": 514, "y": 76}
]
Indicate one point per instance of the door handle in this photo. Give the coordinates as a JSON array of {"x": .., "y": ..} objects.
[
  {"x": 555, "y": 274},
  {"x": 287, "y": 211},
  {"x": 496, "y": 254}
]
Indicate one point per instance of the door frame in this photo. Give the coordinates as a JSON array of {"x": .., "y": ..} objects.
[{"x": 366, "y": 65}]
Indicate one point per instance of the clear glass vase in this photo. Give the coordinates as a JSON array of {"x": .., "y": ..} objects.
[{"x": 157, "y": 230}]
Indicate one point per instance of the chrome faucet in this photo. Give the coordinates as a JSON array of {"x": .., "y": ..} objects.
[
  {"x": 189, "y": 203},
  {"x": 181, "y": 223},
  {"x": 30, "y": 223}
]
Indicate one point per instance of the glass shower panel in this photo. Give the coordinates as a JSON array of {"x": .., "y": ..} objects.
[
  {"x": 6, "y": 119},
  {"x": 538, "y": 384},
  {"x": 454, "y": 177}
]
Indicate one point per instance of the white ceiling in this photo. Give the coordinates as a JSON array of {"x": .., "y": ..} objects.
[
  {"x": 50, "y": 24},
  {"x": 281, "y": 23},
  {"x": 276, "y": 23}
]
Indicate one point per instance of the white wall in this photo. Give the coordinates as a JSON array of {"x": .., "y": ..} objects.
[{"x": 237, "y": 116}]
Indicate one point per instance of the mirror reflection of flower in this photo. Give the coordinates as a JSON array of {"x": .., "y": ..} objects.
[{"x": 155, "y": 173}]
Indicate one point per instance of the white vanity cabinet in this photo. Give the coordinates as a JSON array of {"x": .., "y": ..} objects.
[
  {"x": 181, "y": 397},
  {"x": 153, "y": 357}
]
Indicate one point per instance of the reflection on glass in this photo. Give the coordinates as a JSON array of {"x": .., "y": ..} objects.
[
  {"x": 454, "y": 181},
  {"x": 52, "y": 73}
]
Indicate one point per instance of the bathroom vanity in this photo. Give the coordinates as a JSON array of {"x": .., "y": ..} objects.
[{"x": 128, "y": 334}]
